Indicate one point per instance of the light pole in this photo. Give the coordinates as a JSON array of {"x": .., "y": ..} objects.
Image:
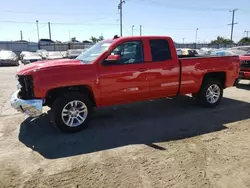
[
  {"x": 247, "y": 33},
  {"x": 183, "y": 39},
  {"x": 133, "y": 30},
  {"x": 196, "y": 36},
  {"x": 120, "y": 8},
  {"x": 49, "y": 31},
  {"x": 37, "y": 29}
]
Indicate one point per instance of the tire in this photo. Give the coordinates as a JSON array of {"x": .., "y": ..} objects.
[
  {"x": 207, "y": 101},
  {"x": 67, "y": 112},
  {"x": 237, "y": 83}
]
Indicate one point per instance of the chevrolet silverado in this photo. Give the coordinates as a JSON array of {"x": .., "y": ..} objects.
[{"x": 118, "y": 71}]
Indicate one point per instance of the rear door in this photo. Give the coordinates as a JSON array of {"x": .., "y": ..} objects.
[
  {"x": 124, "y": 81},
  {"x": 164, "y": 70}
]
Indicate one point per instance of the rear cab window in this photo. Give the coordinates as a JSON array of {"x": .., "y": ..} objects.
[{"x": 160, "y": 50}]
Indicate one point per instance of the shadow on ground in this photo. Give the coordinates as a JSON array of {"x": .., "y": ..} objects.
[
  {"x": 243, "y": 86},
  {"x": 141, "y": 123}
]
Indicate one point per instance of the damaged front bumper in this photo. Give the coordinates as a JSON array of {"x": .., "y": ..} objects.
[{"x": 32, "y": 108}]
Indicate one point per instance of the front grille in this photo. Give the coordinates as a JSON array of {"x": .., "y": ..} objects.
[
  {"x": 27, "y": 91},
  {"x": 245, "y": 64}
]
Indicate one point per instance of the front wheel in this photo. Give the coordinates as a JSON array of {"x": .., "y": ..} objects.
[
  {"x": 210, "y": 93},
  {"x": 70, "y": 113}
]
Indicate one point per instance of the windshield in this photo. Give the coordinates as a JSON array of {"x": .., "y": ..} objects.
[
  {"x": 7, "y": 54},
  {"x": 92, "y": 53}
]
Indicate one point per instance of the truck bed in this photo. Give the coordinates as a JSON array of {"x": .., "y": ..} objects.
[{"x": 193, "y": 67}]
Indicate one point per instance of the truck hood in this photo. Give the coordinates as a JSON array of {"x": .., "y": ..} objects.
[
  {"x": 27, "y": 69},
  {"x": 244, "y": 57}
]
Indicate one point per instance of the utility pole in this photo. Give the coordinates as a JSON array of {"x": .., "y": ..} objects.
[
  {"x": 37, "y": 29},
  {"x": 49, "y": 31},
  {"x": 196, "y": 35},
  {"x": 21, "y": 34},
  {"x": 247, "y": 33},
  {"x": 140, "y": 30},
  {"x": 120, "y": 8},
  {"x": 69, "y": 36},
  {"x": 233, "y": 23},
  {"x": 133, "y": 30}
]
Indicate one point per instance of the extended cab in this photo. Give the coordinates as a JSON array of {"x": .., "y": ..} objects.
[{"x": 122, "y": 70}]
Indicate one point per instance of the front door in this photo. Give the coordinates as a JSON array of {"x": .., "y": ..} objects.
[{"x": 126, "y": 80}]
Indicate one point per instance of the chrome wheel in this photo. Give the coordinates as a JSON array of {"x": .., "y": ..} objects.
[
  {"x": 213, "y": 93},
  {"x": 74, "y": 113}
]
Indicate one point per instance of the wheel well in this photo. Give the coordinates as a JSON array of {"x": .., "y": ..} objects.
[
  {"x": 220, "y": 76},
  {"x": 53, "y": 94}
]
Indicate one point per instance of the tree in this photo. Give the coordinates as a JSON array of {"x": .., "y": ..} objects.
[
  {"x": 95, "y": 40},
  {"x": 222, "y": 40},
  {"x": 101, "y": 38},
  {"x": 244, "y": 41}
]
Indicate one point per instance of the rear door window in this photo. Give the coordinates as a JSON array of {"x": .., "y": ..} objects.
[{"x": 160, "y": 50}]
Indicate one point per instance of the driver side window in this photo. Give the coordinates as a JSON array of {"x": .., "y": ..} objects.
[{"x": 130, "y": 52}]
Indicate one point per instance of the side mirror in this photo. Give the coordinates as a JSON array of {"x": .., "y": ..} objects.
[{"x": 113, "y": 58}]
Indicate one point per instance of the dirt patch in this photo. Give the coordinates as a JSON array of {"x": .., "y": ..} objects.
[{"x": 163, "y": 143}]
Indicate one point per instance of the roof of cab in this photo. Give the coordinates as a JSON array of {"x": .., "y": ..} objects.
[{"x": 137, "y": 38}]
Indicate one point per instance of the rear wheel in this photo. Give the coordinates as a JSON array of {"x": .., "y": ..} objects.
[
  {"x": 210, "y": 94},
  {"x": 70, "y": 112}
]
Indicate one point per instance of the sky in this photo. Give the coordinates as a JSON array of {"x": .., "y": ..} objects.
[{"x": 85, "y": 18}]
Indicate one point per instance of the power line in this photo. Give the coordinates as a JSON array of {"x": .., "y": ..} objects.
[
  {"x": 54, "y": 13},
  {"x": 169, "y": 5},
  {"x": 57, "y": 23}
]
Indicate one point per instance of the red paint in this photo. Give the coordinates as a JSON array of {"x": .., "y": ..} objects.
[
  {"x": 245, "y": 71},
  {"x": 116, "y": 84}
]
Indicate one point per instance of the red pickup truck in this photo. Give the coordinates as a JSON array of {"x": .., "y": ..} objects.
[
  {"x": 245, "y": 67},
  {"x": 122, "y": 70}
]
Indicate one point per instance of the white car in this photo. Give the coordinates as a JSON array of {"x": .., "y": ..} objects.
[
  {"x": 31, "y": 58},
  {"x": 56, "y": 55},
  {"x": 23, "y": 53},
  {"x": 8, "y": 58},
  {"x": 42, "y": 53},
  {"x": 74, "y": 53}
]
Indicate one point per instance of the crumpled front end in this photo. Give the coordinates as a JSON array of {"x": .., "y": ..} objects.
[{"x": 32, "y": 108}]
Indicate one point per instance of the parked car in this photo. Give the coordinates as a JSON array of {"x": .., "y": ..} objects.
[
  {"x": 188, "y": 52},
  {"x": 42, "y": 53},
  {"x": 23, "y": 53},
  {"x": 56, "y": 55},
  {"x": 8, "y": 58},
  {"x": 243, "y": 48},
  {"x": 74, "y": 53},
  {"x": 31, "y": 58},
  {"x": 227, "y": 52},
  {"x": 46, "y": 44},
  {"x": 104, "y": 75}
]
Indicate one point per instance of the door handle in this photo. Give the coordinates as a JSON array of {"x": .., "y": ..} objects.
[{"x": 142, "y": 70}]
